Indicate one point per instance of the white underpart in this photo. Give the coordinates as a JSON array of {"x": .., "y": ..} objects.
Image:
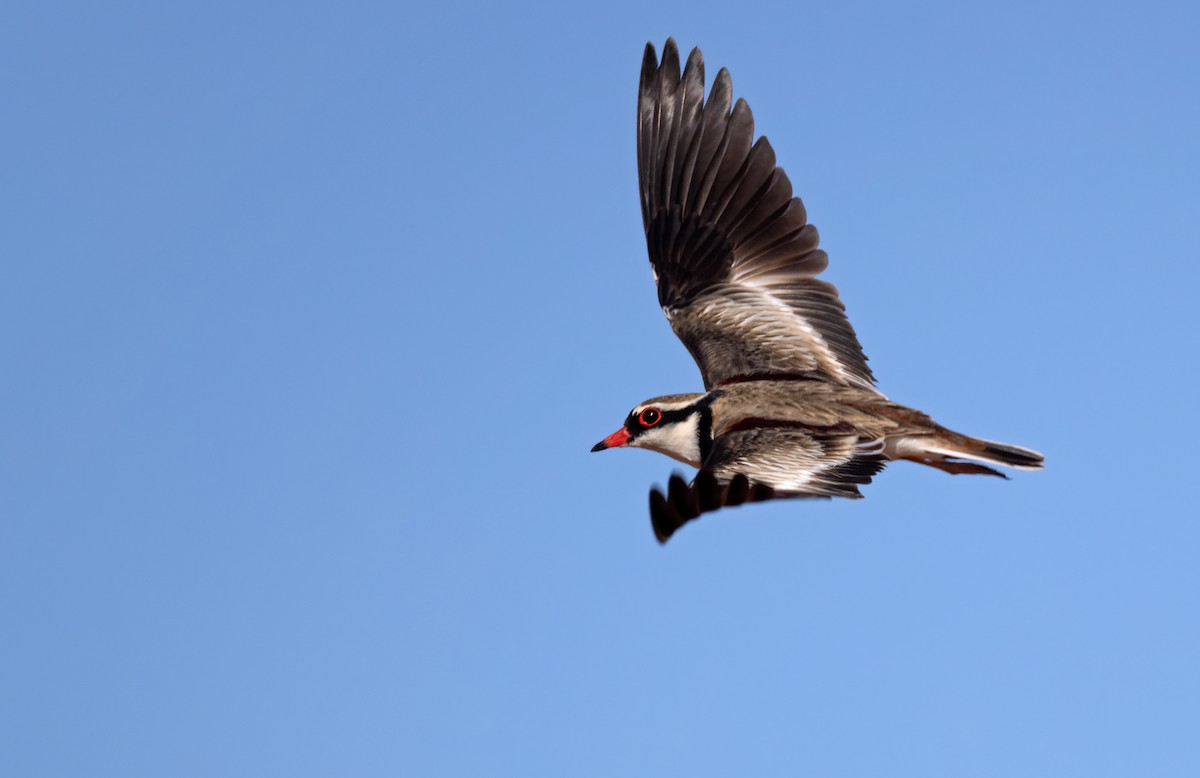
[
  {"x": 680, "y": 440},
  {"x": 794, "y": 468},
  {"x": 788, "y": 474},
  {"x": 798, "y": 478}
]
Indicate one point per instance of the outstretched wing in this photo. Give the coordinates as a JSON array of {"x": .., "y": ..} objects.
[
  {"x": 733, "y": 255},
  {"x": 764, "y": 464}
]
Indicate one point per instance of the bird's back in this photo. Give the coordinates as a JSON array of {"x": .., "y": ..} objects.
[{"x": 811, "y": 404}]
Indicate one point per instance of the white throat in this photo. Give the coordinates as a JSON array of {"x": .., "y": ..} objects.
[{"x": 680, "y": 440}]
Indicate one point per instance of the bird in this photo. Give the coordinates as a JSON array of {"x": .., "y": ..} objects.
[{"x": 790, "y": 407}]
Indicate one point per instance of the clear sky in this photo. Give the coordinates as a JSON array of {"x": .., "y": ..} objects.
[{"x": 310, "y": 315}]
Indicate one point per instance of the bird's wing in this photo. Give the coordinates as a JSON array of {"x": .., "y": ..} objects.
[
  {"x": 765, "y": 464},
  {"x": 733, "y": 255}
]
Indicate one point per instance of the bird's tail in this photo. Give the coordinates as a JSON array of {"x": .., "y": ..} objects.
[{"x": 957, "y": 453}]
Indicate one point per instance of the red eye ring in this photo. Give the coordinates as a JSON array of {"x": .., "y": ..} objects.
[{"x": 649, "y": 417}]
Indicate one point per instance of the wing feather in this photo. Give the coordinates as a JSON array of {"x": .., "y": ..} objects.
[
  {"x": 731, "y": 247},
  {"x": 796, "y": 461},
  {"x": 761, "y": 464}
]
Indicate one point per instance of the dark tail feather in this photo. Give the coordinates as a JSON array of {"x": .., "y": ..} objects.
[
  {"x": 1013, "y": 456},
  {"x": 947, "y": 450}
]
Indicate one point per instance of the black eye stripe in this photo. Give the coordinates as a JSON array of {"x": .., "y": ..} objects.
[{"x": 633, "y": 423}]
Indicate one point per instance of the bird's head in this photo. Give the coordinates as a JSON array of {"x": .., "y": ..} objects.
[{"x": 673, "y": 425}]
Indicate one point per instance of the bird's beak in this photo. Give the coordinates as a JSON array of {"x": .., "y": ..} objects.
[{"x": 615, "y": 440}]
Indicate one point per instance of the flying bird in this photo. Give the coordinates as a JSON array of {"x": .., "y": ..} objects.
[{"x": 790, "y": 408}]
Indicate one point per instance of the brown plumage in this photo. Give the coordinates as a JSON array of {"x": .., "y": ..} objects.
[{"x": 791, "y": 408}]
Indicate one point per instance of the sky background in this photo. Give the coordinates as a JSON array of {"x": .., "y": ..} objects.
[{"x": 310, "y": 315}]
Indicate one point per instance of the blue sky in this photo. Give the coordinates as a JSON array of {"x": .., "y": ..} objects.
[{"x": 310, "y": 316}]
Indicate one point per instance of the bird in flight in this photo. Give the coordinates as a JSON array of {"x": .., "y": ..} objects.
[{"x": 790, "y": 408}]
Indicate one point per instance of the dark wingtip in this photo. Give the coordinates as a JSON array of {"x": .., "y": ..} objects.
[
  {"x": 663, "y": 517},
  {"x": 721, "y": 93},
  {"x": 681, "y": 503},
  {"x": 649, "y": 66},
  {"x": 669, "y": 69},
  {"x": 670, "y": 57}
]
